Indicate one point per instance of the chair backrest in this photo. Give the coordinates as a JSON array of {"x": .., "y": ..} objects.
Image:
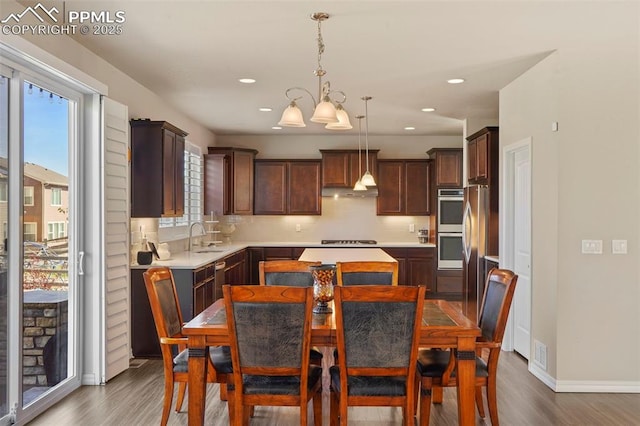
[
  {"x": 270, "y": 330},
  {"x": 286, "y": 273},
  {"x": 163, "y": 299},
  {"x": 496, "y": 303},
  {"x": 378, "y": 329},
  {"x": 367, "y": 273}
]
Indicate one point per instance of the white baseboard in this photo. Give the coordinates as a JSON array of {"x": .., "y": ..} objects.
[
  {"x": 597, "y": 386},
  {"x": 584, "y": 386},
  {"x": 90, "y": 380},
  {"x": 543, "y": 376}
]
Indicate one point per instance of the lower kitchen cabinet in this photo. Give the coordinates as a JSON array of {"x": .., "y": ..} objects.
[
  {"x": 449, "y": 284},
  {"x": 235, "y": 268},
  {"x": 257, "y": 254},
  {"x": 416, "y": 266}
]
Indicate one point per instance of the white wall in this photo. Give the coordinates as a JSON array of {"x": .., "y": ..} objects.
[
  {"x": 586, "y": 308},
  {"x": 341, "y": 218}
]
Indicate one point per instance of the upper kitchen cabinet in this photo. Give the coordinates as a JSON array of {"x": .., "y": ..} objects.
[
  {"x": 482, "y": 156},
  {"x": 448, "y": 167},
  {"x": 340, "y": 166},
  {"x": 287, "y": 187},
  {"x": 157, "y": 169},
  {"x": 228, "y": 181},
  {"x": 403, "y": 187}
]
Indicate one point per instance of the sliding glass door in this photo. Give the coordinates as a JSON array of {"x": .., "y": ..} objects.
[{"x": 39, "y": 216}]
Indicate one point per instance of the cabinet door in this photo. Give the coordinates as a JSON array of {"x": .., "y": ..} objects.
[
  {"x": 417, "y": 188},
  {"x": 482, "y": 159},
  {"x": 172, "y": 174},
  {"x": 420, "y": 272},
  {"x": 472, "y": 160},
  {"x": 449, "y": 168},
  {"x": 243, "y": 182},
  {"x": 216, "y": 182},
  {"x": 304, "y": 192},
  {"x": 391, "y": 196},
  {"x": 336, "y": 169},
  {"x": 179, "y": 173},
  {"x": 270, "y": 187}
]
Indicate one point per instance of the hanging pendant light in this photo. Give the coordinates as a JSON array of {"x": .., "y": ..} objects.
[
  {"x": 326, "y": 110},
  {"x": 367, "y": 178},
  {"x": 359, "y": 186}
]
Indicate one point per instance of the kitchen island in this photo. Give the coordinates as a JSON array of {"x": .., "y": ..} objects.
[{"x": 331, "y": 255}]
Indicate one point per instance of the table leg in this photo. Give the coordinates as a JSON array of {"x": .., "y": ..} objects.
[
  {"x": 466, "y": 372},
  {"x": 198, "y": 353}
]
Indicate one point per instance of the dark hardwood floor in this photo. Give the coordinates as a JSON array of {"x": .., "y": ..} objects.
[{"x": 135, "y": 398}]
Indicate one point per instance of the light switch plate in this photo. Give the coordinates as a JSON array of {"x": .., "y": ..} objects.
[
  {"x": 591, "y": 246},
  {"x": 619, "y": 246}
]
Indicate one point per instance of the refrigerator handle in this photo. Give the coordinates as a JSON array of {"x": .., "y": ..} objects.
[{"x": 466, "y": 219}]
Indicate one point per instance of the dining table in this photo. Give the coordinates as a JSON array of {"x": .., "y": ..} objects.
[{"x": 443, "y": 326}]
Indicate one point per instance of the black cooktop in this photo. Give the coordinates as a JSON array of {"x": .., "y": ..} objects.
[{"x": 347, "y": 242}]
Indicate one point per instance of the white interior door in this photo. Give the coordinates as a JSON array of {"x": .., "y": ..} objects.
[
  {"x": 515, "y": 241},
  {"x": 522, "y": 251}
]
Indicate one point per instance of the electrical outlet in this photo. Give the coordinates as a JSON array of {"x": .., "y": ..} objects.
[
  {"x": 412, "y": 227},
  {"x": 591, "y": 246},
  {"x": 298, "y": 227},
  {"x": 619, "y": 246}
]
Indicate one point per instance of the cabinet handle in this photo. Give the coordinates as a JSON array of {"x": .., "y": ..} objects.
[
  {"x": 81, "y": 263},
  {"x": 221, "y": 265}
]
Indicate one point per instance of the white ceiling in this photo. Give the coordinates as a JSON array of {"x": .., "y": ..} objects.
[{"x": 401, "y": 53}]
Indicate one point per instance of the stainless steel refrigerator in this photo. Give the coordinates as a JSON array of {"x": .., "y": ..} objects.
[{"x": 479, "y": 239}]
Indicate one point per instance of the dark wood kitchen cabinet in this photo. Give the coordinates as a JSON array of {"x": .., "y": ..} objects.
[
  {"x": 404, "y": 187},
  {"x": 235, "y": 268},
  {"x": 447, "y": 167},
  {"x": 157, "y": 169},
  {"x": 257, "y": 254},
  {"x": 340, "y": 167},
  {"x": 416, "y": 266},
  {"x": 482, "y": 157},
  {"x": 287, "y": 187},
  {"x": 228, "y": 181}
]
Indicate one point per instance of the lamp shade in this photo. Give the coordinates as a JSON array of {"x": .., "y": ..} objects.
[
  {"x": 367, "y": 179},
  {"x": 292, "y": 116},
  {"x": 359, "y": 186},
  {"x": 325, "y": 112},
  {"x": 343, "y": 122}
]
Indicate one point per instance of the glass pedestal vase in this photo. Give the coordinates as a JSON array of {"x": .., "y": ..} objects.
[{"x": 322, "y": 287}]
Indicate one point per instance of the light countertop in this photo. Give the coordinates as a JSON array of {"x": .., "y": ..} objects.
[
  {"x": 331, "y": 255},
  {"x": 493, "y": 259},
  {"x": 199, "y": 257}
]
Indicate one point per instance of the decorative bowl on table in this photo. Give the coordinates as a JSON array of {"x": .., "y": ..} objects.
[{"x": 322, "y": 287}]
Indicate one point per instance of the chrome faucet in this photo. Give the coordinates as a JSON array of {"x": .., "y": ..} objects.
[{"x": 204, "y": 231}]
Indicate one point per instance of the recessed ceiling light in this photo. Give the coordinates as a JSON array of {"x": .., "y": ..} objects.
[
  {"x": 265, "y": 109},
  {"x": 409, "y": 128},
  {"x": 428, "y": 109},
  {"x": 247, "y": 80},
  {"x": 455, "y": 81},
  {"x": 277, "y": 128}
]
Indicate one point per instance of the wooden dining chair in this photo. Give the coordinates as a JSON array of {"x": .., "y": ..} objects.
[
  {"x": 293, "y": 273},
  {"x": 436, "y": 368},
  {"x": 270, "y": 334},
  {"x": 377, "y": 330},
  {"x": 367, "y": 273},
  {"x": 167, "y": 316},
  {"x": 286, "y": 272}
]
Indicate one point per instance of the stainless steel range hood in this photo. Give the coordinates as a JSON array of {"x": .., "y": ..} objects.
[{"x": 372, "y": 191}]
